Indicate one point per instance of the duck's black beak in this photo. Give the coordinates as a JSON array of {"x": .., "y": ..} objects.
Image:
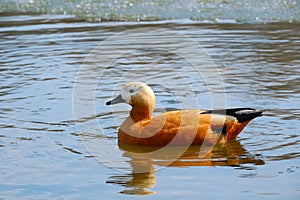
[{"x": 116, "y": 100}]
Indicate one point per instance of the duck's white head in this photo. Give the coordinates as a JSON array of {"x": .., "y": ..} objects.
[{"x": 136, "y": 94}]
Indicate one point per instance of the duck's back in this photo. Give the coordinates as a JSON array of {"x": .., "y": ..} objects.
[{"x": 183, "y": 127}]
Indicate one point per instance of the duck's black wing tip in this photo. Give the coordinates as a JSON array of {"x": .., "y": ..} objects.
[
  {"x": 242, "y": 114},
  {"x": 245, "y": 115}
]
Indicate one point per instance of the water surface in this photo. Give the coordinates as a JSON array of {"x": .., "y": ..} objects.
[{"x": 43, "y": 146}]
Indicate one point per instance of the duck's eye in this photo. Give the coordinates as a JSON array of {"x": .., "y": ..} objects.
[{"x": 131, "y": 91}]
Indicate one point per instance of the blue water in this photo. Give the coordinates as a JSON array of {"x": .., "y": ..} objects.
[
  {"x": 254, "y": 11},
  {"x": 51, "y": 138}
]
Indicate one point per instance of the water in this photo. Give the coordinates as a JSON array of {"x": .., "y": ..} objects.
[
  {"x": 48, "y": 131},
  {"x": 258, "y": 11}
]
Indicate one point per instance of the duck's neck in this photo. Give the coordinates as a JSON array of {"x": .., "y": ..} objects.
[{"x": 140, "y": 113}]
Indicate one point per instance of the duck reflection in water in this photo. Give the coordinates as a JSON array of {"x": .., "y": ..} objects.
[{"x": 145, "y": 161}]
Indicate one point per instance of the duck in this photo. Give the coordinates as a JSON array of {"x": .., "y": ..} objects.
[{"x": 177, "y": 127}]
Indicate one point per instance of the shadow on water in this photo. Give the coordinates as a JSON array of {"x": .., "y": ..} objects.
[{"x": 145, "y": 161}]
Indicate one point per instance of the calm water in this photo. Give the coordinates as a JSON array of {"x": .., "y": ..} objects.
[{"x": 57, "y": 72}]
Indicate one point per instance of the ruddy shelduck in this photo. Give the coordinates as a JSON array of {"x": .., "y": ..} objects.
[{"x": 179, "y": 127}]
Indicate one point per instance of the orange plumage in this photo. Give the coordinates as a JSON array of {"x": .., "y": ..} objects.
[{"x": 176, "y": 128}]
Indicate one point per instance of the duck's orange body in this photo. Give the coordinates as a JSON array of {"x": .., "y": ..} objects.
[{"x": 176, "y": 128}]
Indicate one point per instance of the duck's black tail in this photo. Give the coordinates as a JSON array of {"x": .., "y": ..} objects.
[{"x": 242, "y": 114}]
